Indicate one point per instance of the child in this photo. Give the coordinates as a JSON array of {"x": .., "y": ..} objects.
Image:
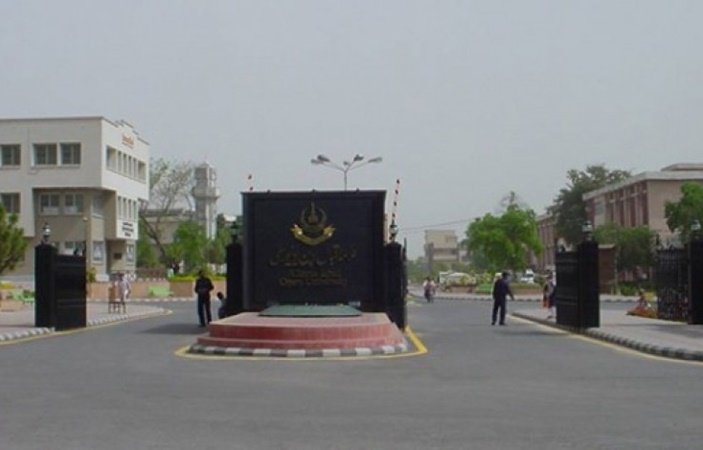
[
  {"x": 221, "y": 311},
  {"x": 642, "y": 300}
]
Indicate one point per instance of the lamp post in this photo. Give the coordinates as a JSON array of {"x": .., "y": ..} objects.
[
  {"x": 587, "y": 230},
  {"x": 695, "y": 229},
  {"x": 235, "y": 231},
  {"x": 85, "y": 242},
  {"x": 347, "y": 166},
  {"x": 46, "y": 233}
]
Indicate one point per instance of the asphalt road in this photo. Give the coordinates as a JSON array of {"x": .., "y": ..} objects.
[{"x": 516, "y": 387}]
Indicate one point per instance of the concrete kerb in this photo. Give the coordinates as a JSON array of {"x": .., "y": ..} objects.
[
  {"x": 299, "y": 353},
  {"x": 530, "y": 299},
  {"x": 652, "y": 349},
  {"x": 4, "y": 337}
]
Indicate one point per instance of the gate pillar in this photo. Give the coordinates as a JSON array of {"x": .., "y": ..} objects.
[
  {"x": 577, "y": 297},
  {"x": 695, "y": 281},
  {"x": 395, "y": 289},
  {"x": 235, "y": 279},
  {"x": 44, "y": 280},
  {"x": 588, "y": 296},
  {"x": 60, "y": 289}
]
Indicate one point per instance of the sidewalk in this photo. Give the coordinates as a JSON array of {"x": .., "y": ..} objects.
[
  {"x": 657, "y": 337},
  {"x": 20, "y": 324}
]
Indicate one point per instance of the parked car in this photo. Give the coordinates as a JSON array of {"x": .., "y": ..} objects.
[{"x": 528, "y": 276}]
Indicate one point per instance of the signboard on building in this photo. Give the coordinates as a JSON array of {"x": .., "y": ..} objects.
[{"x": 126, "y": 230}]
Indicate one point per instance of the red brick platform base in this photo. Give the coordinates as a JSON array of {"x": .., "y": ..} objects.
[{"x": 250, "y": 334}]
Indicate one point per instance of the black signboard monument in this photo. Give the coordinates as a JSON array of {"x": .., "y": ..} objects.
[{"x": 313, "y": 248}]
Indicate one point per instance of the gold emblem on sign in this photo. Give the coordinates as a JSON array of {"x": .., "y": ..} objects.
[{"x": 313, "y": 228}]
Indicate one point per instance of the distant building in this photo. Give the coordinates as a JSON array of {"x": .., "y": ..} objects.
[
  {"x": 636, "y": 201},
  {"x": 167, "y": 222},
  {"x": 547, "y": 236},
  {"x": 82, "y": 177},
  {"x": 442, "y": 246},
  {"x": 205, "y": 194},
  {"x": 640, "y": 199}
]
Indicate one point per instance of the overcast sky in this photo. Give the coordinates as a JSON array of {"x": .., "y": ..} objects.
[{"x": 465, "y": 101}]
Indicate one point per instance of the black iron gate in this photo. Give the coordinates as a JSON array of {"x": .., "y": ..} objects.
[{"x": 671, "y": 284}]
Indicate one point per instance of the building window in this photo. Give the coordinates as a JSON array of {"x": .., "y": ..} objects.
[
  {"x": 98, "y": 205},
  {"x": 111, "y": 159},
  {"x": 70, "y": 154},
  {"x": 73, "y": 203},
  {"x": 11, "y": 202},
  {"x": 129, "y": 250},
  {"x": 141, "y": 171},
  {"x": 10, "y": 155},
  {"x": 98, "y": 251},
  {"x": 49, "y": 204},
  {"x": 74, "y": 248},
  {"x": 45, "y": 154}
]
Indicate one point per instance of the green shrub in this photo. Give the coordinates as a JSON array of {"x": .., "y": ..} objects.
[
  {"x": 90, "y": 275},
  {"x": 485, "y": 288},
  {"x": 628, "y": 289},
  {"x": 193, "y": 277}
]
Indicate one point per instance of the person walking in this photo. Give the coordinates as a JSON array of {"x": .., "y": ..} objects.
[
  {"x": 203, "y": 287},
  {"x": 123, "y": 287},
  {"x": 501, "y": 290}
]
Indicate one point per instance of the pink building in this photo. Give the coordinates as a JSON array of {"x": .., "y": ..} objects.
[
  {"x": 641, "y": 199},
  {"x": 638, "y": 200}
]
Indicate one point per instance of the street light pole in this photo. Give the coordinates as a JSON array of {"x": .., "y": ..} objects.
[
  {"x": 86, "y": 235},
  {"x": 347, "y": 166}
]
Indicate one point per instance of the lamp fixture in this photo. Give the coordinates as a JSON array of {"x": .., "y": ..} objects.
[{"x": 46, "y": 233}]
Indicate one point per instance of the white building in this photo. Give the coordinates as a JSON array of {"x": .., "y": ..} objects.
[{"x": 84, "y": 178}]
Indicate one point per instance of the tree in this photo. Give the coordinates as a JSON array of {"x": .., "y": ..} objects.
[
  {"x": 189, "y": 245},
  {"x": 505, "y": 241},
  {"x": 146, "y": 255},
  {"x": 569, "y": 209},
  {"x": 12, "y": 241},
  {"x": 680, "y": 215},
  {"x": 417, "y": 270},
  {"x": 634, "y": 246},
  {"x": 170, "y": 186},
  {"x": 217, "y": 247}
]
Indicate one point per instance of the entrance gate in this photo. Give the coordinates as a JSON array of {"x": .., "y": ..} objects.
[
  {"x": 671, "y": 284},
  {"x": 678, "y": 278}
]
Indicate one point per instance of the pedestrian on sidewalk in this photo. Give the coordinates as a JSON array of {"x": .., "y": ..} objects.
[
  {"x": 123, "y": 287},
  {"x": 550, "y": 290},
  {"x": 501, "y": 290},
  {"x": 203, "y": 288}
]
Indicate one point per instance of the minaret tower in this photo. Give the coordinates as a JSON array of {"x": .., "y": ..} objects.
[{"x": 206, "y": 193}]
